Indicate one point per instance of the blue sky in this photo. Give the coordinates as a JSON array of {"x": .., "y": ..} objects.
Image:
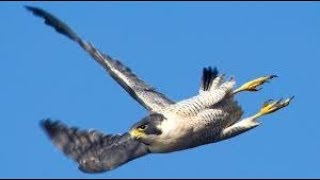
[{"x": 44, "y": 74}]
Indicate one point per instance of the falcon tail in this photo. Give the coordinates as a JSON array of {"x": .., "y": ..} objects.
[
  {"x": 208, "y": 75},
  {"x": 94, "y": 151}
]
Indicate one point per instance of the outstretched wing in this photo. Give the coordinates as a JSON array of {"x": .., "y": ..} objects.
[
  {"x": 146, "y": 95},
  {"x": 92, "y": 150}
]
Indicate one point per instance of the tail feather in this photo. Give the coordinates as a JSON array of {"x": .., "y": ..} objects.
[{"x": 208, "y": 75}]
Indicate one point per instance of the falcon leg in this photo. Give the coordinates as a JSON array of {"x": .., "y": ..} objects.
[
  {"x": 251, "y": 122},
  {"x": 271, "y": 106},
  {"x": 254, "y": 84}
]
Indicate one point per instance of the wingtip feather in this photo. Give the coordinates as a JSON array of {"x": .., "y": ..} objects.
[{"x": 54, "y": 22}]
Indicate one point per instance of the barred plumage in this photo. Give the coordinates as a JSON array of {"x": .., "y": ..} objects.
[{"x": 208, "y": 117}]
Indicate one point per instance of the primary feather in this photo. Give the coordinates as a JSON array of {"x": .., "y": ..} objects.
[
  {"x": 94, "y": 151},
  {"x": 208, "y": 117}
]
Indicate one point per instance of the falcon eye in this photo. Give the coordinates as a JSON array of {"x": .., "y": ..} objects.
[{"x": 142, "y": 127}]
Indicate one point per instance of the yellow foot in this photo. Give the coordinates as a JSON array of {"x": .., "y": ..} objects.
[
  {"x": 272, "y": 106},
  {"x": 254, "y": 84}
]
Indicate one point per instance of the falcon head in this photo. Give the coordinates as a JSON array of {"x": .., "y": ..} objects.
[{"x": 148, "y": 129}]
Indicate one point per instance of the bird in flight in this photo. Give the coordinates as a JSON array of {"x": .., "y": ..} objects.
[{"x": 210, "y": 116}]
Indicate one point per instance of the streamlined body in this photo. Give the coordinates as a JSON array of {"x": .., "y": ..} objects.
[{"x": 210, "y": 116}]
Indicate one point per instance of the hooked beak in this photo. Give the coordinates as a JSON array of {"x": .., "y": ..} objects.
[{"x": 135, "y": 134}]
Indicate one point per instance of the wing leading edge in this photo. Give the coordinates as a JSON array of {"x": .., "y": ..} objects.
[
  {"x": 92, "y": 150},
  {"x": 146, "y": 95}
]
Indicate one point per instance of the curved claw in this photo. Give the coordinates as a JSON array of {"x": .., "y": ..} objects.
[
  {"x": 258, "y": 89},
  {"x": 254, "y": 84},
  {"x": 254, "y": 89},
  {"x": 270, "y": 77},
  {"x": 273, "y": 76},
  {"x": 288, "y": 100},
  {"x": 271, "y": 106},
  {"x": 267, "y": 102}
]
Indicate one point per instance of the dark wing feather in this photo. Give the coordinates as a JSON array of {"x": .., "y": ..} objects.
[
  {"x": 146, "y": 95},
  {"x": 92, "y": 150}
]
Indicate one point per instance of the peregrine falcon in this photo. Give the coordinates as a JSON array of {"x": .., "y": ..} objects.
[{"x": 212, "y": 115}]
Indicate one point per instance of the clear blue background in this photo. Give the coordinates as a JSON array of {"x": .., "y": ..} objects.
[{"x": 44, "y": 74}]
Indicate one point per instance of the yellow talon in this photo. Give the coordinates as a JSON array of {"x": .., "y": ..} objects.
[
  {"x": 271, "y": 106},
  {"x": 253, "y": 85}
]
